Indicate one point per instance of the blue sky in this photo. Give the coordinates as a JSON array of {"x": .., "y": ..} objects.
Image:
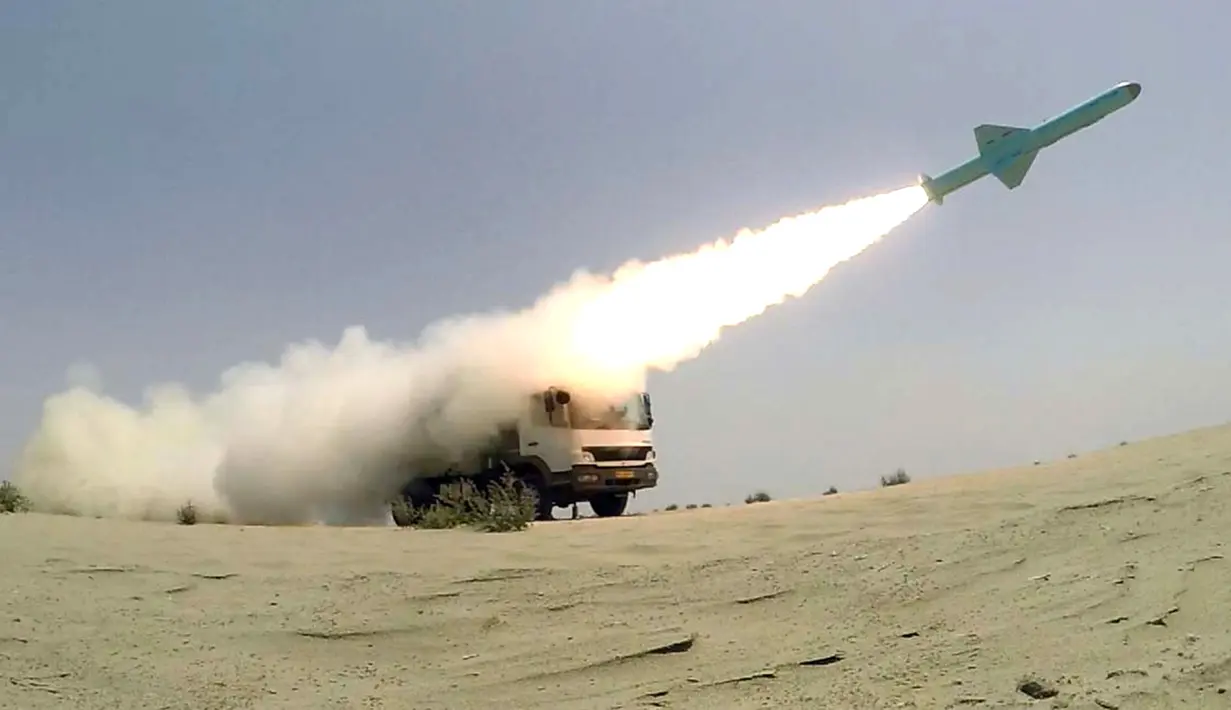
[{"x": 185, "y": 186}]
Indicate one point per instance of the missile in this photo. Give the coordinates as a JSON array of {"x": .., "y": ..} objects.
[{"x": 1008, "y": 151}]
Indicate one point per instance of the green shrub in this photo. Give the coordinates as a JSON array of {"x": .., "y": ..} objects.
[
  {"x": 505, "y": 506},
  {"x": 758, "y": 497},
  {"x": 187, "y": 514},
  {"x": 511, "y": 507},
  {"x": 12, "y": 500},
  {"x": 898, "y": 478}
]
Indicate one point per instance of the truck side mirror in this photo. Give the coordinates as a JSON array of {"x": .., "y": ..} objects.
[{"x": 549, "y": 403}]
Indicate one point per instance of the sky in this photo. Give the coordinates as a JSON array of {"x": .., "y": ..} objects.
[{"x": 187, "y": 186}]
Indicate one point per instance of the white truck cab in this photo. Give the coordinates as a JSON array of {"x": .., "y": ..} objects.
[
  {"x": 591, "y": 449},
  {"x": 570, "y": 448}
]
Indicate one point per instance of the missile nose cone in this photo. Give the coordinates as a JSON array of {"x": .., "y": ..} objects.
[{"x": 1134, "y": 89}]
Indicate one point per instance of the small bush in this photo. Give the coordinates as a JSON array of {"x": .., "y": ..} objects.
[
  {"x": 758, "y": 497},
  {"x": 465, "y": 500},
  {"x": 187, "y": 514},
  {"x": 438, "y": 516},
  {"x": 671, "y": 507},
  {"x": 505, "y": 506},
  {"x": 510, "y": 507},
  {"x": 11, "y": 499},
  {"x": 706, "y": 505},
  {"x": 691, "y": 506},
  {"x": 898, "y": 478},
  {"x": 832, "y": 490}
]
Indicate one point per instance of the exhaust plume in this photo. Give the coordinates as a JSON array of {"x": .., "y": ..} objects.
[{"x": 317, "y": 437}]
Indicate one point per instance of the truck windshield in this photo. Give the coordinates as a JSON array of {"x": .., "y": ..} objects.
[{"x": 630, "y": 413}]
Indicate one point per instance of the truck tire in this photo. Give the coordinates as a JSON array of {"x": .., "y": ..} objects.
[
  {"x": 412, "y": 502},
  {"x": 546, "y": 509},
  {"x": 403, "y": 512},
  {"x": 533, "y": 480},
  {"x": 545, "y": 506},
  {"x": 609, "y": 505}
]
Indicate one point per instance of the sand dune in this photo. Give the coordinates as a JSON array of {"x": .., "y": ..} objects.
[{"x": 1105, "y": 577}]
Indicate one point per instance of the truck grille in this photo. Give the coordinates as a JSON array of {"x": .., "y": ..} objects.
[{"x": 618, "y": 453}]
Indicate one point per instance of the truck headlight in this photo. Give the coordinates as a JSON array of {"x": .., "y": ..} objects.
[
  {"x": 651, "y": 455},
  {"x": 585, "y": 457}
]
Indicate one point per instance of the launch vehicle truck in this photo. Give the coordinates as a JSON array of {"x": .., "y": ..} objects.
[{"x": 568, "y": 448}]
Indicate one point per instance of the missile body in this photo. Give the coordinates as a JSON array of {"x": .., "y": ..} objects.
[{"x": 1008, "y": 151}]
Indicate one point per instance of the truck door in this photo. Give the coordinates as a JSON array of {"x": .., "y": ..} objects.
[{"x": 548, "y": 434}]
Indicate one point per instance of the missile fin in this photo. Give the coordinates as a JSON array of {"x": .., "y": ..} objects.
[
  {"x": 989, "y": 135},
  {"x": 1012, "y": 173}
]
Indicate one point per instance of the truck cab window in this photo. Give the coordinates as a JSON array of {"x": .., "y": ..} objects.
[{"x": 625, "y": 414}]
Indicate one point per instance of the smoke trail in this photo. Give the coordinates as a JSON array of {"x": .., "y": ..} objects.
[{"x": 317, "y": 438}]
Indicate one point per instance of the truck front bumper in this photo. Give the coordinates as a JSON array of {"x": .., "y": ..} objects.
[{"x": 588, "y": 479}]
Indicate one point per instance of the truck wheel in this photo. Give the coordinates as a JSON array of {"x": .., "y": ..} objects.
[
  {"x": 412, "y": 502},
  {"x": 545, "y": 508},
  {"x": 403, "y": 512},
  {"x": 544, "y": 505},
  {"x": 609, "y": 505}
]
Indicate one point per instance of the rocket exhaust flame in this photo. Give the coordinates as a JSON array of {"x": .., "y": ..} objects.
[
  {"x": 681, "y": 303},
  {"x": 314, "y": 439}
]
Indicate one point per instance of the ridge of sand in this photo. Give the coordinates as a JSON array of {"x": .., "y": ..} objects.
[{"x": 1105, "y": 577}]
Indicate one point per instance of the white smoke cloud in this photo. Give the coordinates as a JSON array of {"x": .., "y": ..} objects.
[{"x": 318, "y": 437}]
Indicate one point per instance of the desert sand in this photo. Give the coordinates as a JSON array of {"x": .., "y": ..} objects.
[{"x": 1105, "y": 577}]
